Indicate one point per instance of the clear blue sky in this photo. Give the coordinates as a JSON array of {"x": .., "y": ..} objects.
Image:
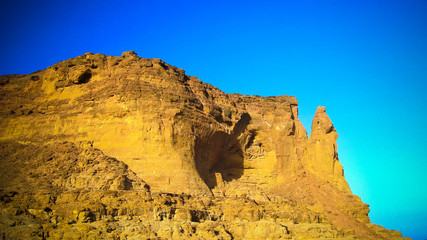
[{"x": 366, "y": 61}]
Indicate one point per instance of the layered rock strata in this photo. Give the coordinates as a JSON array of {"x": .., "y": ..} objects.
[{"x": 134, "y": 143}]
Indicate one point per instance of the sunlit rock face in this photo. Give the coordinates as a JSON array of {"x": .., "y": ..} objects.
[
  {"x": 322, "y": 156},
  {"x": 134, "y": 143}
]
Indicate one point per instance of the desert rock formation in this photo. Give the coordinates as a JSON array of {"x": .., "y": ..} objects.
[{"x": 119, "y": 147}]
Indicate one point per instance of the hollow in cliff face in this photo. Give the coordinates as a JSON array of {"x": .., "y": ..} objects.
[{"x": 222, "y": 153}]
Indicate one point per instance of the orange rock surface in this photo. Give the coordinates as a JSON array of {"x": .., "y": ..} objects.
[{"x": 100, "y": 146}]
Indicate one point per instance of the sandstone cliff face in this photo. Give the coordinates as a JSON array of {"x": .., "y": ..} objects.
[
  {"x": 166, "y": 132},
  {"x": 321, "y": 155}
]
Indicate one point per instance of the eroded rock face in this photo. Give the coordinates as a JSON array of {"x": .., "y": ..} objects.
[
  {"x": 217, "y": 165},
  {"x": 321, "y": 153}
]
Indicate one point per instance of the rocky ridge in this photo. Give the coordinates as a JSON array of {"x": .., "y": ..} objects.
[{"x": 125, "y": 147}]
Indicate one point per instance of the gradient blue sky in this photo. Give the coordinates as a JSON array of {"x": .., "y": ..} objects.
[{"x": 366, "y": 61}]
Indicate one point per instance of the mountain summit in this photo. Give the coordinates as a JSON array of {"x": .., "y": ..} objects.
[{"x": 126, "y": 147}]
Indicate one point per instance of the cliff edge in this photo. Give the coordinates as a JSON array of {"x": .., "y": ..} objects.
[{"x": 103, "y": 146}]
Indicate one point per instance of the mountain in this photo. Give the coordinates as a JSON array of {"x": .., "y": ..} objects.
[{"x": 126, "y": 147}]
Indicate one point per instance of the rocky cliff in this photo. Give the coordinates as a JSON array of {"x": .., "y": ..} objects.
[{"x": 119, "y": 147}]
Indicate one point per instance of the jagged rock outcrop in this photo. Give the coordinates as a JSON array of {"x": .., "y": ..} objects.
[
  {"x": 186, "y": 159},
  {"x": 322, "y": 155}
]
